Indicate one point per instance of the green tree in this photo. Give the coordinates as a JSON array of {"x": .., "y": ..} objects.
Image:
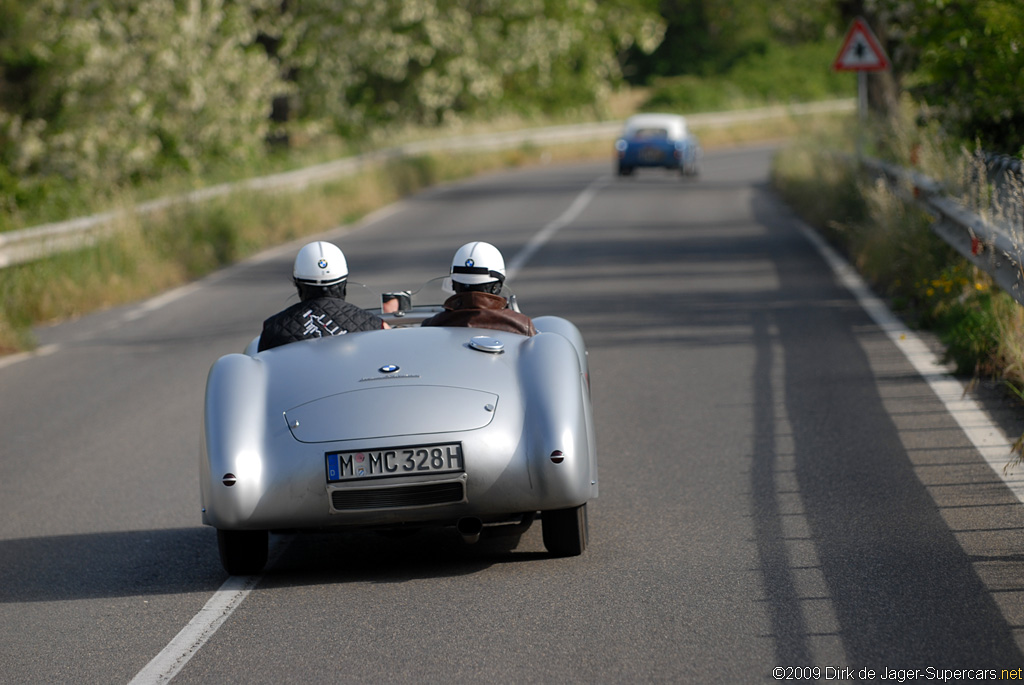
[
  {"x": 710, "y": 37},
  {"x": 969, "y": 68}
]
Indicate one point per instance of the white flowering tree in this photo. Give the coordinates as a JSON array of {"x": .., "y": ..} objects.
[
  {"x": 110, "y": 92},
  {"x": 123, "y": 88},
  {"x": 366, "y": 63}
]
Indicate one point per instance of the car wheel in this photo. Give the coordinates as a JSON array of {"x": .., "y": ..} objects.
[
  {"x": 625, "y": 170},
  {"x": 242, "y": 552},
  {"x": 565, "y": 531}
]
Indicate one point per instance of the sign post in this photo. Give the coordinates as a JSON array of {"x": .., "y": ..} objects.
[{"x": 861, "y": 52}]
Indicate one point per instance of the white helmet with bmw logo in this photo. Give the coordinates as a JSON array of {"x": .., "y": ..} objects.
[
  {"x": 320, "y": 263},
  {"x": 478, "y": 263}
]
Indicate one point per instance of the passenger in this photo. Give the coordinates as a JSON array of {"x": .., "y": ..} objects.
[
  {"x": 478, "y": 273},
  {"x": 320, "y": 275}
]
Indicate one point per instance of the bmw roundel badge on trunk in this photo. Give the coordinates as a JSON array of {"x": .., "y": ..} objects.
[{"x": 388, "y": 368}]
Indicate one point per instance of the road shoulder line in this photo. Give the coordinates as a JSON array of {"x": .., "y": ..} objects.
[
  {"x": 204, "y": 624},
  {"x": 990, "y": 441}
]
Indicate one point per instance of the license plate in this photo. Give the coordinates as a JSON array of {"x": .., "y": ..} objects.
[
  {"x": 652, "y": 154},
  {"x": 397, "y": 461}
]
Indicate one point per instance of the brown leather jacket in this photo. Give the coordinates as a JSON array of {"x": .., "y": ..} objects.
[{"x": 481, "y": 310}]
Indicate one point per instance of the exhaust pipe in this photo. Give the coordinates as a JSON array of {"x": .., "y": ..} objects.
[{"x": 469, "y": 529}]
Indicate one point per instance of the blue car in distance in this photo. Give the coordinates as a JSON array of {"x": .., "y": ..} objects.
[{"x": 657, "y": 140}]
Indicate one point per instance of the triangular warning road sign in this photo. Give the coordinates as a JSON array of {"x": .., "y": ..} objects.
[{"x": 861, "y": 51}]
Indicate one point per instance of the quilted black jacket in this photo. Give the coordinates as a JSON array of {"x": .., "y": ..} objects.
[{"x": 316, "y": 318}]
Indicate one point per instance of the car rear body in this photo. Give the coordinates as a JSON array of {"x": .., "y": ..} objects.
[
  {"x": 395, "y": 428},
  {"x": 657, "y": 140}
]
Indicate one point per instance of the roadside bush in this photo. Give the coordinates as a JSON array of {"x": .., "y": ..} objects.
[{"x": 969, "y": 328}]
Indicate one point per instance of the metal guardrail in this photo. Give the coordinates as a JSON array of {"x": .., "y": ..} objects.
[
  {"x": 994, "y": 244},
  {"x": 33, "y": 243}
]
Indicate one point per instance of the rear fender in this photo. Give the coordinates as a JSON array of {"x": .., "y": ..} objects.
[
  {"x": 234, "y": 428},
  {"x": 559, "y": 441}
]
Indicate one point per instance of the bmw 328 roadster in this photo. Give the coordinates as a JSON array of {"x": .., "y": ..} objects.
[{"x": 414, "y": 426}]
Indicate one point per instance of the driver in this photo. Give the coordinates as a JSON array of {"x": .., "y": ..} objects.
[
  {"x": 478, "y": 273},
  {"x": 320, "y": 275}
]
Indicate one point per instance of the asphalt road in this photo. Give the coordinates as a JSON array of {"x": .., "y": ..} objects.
[{"x": 779, "y": 487}]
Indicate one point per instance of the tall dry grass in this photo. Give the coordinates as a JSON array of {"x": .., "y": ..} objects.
[{"x": 888, "y": 237}]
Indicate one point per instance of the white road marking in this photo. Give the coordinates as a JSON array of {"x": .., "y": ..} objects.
[
  {"x": 185, "y": 644},
  {"x": 990, "y": 441},
  {"x": 545, "y": 234},
  {"x": 159, "y": 302},
  {"x": 22, "y": 356},
  {"x": 203, "y": 625}
]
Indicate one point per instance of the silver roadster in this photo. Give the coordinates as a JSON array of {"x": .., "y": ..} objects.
[{"x": 400, "y": 428}]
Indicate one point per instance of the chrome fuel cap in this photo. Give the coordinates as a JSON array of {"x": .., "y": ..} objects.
[{"x": 486, "y": 343}]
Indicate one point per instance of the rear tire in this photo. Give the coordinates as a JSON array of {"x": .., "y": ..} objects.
[
  {"x": 243, "y": 552},
  {"x": 625, "y": 170},
  {"x": 565, "y": 531},
  {"x": 690, "y": 169}
]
